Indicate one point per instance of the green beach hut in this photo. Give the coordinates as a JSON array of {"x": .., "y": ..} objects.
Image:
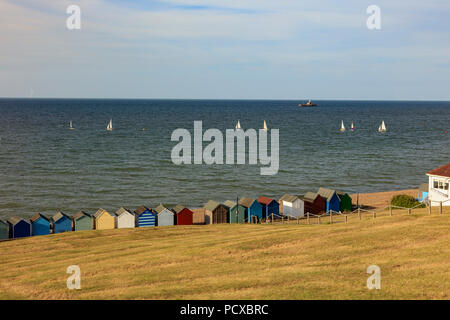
[
  {"x": 83, "y": 221},
  {"x": 4, "y": 230},
  {"x": 237, "y": 212},
  {"x": 346, "y": 201}
]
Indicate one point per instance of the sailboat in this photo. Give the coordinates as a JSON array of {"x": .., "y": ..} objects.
[
  {"x": 353, "y": 127},
  {"x": 70, "y": 125},
  {"x": 342, "y": 126},
  {"x": 109, "y": 127},
  {"x": 265, "y": 126},
  {"x": 382, "y": 127},
  {"x": 238, "y": 125}
]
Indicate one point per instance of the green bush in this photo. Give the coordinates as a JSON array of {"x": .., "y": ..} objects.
[{"x": 405, "y": 201}]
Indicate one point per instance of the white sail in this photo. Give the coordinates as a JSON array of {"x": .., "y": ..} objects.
[
  {"x": 265, "y": 125},
  {"x": 382, "y": 127},
  {"x": 70, "y": 125},
  {"x": 109, "y": 127},
  {"x": 238, "y": 125},
  {"x": 353, "y": 126},
  {"x": 342, "y": 126}
]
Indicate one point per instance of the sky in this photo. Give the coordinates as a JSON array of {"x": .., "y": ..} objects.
[{"x": 226, "y": 49}]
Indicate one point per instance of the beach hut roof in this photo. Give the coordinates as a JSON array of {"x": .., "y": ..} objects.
[
  {"x": 246, "y": 202},
  {"x": 423, "y": 187},
  {"x": 326, "y": 193},
  {"x": 211, "y": 205},
  {"x": 80, "y": 214},
  {"x": 310, "y": 196},
  {"x": 141, "y": 209},
  {"x": 289, "y": 198},
  {"x": 15, "y": 220},
  {"x": 59, "y": 216},
  {"x": 178, "y": 208},
  {"x": 264, "y": 200},
  {"x": 443, "y": 171},
  {"x": 123, "y": 210},
  {"x": 230, "y": 204},
  {"x": 160, "y": 208},
  {"x": 37, "y": 216},
  {"x": 101, "y": 211}
]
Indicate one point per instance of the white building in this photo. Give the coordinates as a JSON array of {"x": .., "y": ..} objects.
[
  {"x": 439, "y": 181},
  {"x": 125, "y": 219},
  {"x": 292, "y": 206}
]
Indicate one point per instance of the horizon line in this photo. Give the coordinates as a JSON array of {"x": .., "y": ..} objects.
[{"x": 225, "y": 99}]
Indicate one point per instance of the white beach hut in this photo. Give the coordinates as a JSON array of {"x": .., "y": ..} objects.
[
  {"x": 292, "y": 206},
  {"x": 165, "y": 216},
  {"x": 438, "y": 186},
  {"x": 125, "y": 219}
]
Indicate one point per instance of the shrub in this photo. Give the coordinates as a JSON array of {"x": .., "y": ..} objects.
[{"x": 405, "y": 201}]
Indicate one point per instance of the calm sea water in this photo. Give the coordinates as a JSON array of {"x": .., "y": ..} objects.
[{"x": 45, "y": 167}]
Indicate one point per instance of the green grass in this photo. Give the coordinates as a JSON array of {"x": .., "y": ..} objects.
[{"x": 281, "y": 261}]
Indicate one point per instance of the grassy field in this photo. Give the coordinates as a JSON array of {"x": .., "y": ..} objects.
[{"x": 281, "y": 261}]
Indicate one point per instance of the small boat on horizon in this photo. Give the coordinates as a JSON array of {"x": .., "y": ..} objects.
[
  {"x": 382, "y": 127},
  {"x": 109, "y": 127},
  {"x": 342, "y": 129},
  {"x": 308, "y": 104},
  {"x": 352, "y": 127},
  {"x": 70, "y": 125},
  {"x": 265, "y": 126},
  {"x": 238, "y": 125}
]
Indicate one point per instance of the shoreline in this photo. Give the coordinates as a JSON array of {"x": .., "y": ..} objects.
[{"x": 377, "y": 200}]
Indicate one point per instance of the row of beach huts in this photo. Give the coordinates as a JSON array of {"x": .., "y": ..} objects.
[{"x": 245, "y": 210}]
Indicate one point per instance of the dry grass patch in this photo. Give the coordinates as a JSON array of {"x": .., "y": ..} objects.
[{"x": 281, "y": 261}]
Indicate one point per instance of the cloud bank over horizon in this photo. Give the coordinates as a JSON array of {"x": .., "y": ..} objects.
[{"x": 225, "y": 49}]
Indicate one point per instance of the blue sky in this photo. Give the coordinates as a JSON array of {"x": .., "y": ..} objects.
[{"x": 226, "y": 49}]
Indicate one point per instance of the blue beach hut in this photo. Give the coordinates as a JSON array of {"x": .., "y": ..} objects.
[
  {"x": 4, "y": 230},
  {"x": 61, "y": 223},
  {"x": 40, "y": 225},
  {"x": 331, "y": 198},
  {"x": 145, "y": 217},
  {"x": 423, "y": 192},
  {"x": 270, "y": 206},
  {"x": 255, "y": 211},
  {"x": 19, "y": 228}
]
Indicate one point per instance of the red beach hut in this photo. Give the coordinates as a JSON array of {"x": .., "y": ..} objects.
[{"x": 184, "y": 216}]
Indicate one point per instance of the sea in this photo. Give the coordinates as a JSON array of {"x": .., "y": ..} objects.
[{"x": 46, "y": 168}]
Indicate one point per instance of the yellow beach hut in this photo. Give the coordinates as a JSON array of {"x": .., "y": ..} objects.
[{"x": 104, "y": 220}]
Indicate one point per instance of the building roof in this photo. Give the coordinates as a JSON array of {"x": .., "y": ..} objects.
[
  {"x": 443, "y": 171},
  {"x": 15, "y": 220},
  {"x": 264, "y": 200},
  {"x": 80, "y": 214},
  {"x": 230, "y": 204},
  {"x": 101, "y": 211},
  {"x": 37, "y": 216},
  {"x": 310, "y": 196},
  {"x": 341, "y": 193},
  {"x": 246, "y": 202},
  {"x": 178, "y": 208},
  {"x": 326, "y": 193},
  {"x": 211, "y": 205},
  {"x": 123, "y": 210},
  {"x": 141, "y": 209},
  {"x": 424, "y": 187},
  {"x": 289, "y": 198},
  {"x": 161, "y": 208},
  {"x": 59, "y": 216}
]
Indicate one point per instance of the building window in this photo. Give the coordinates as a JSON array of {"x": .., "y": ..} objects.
[{"x": 440, "y": 184}]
